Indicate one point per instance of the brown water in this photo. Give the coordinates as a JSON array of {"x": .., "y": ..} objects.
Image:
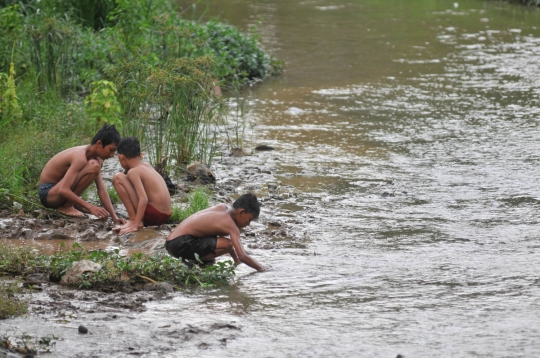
[{"x": 410, "y": 133}]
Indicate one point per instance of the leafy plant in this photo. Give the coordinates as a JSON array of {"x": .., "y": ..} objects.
[
  {"x": 197, "y": 200},
  {"x": 102, "y": 105}
]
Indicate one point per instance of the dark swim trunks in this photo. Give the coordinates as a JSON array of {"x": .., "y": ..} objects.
[
  {"x": 43, "y": 192},
  {"x": 186, "y": 246},
  {"x": 153, "y": 217}
]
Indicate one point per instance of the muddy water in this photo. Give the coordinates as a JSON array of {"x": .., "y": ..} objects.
[{"x": 406, "y": 136}]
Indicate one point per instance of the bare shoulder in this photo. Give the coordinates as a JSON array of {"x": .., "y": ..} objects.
[{"x": 219, "y": 207}]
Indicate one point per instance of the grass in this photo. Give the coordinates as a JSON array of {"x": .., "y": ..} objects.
[
  {"x": 198, "y": 200},
  {"x": 115, "y": 199},
  {"x": 115, "y": 269},
  {"x": 10, "y": 305}
]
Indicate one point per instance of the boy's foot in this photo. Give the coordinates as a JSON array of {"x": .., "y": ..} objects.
[
  {"x": 70, "y": 211},
  {"x": 118, "y": 228},
  {"x": 81, "y": 209}
]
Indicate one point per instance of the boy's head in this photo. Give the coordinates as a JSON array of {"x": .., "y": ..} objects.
[
  {"x": 246, "y": 208},
  {"x": 106, "y": 139},
  {"x": 107, "y": 135},
  {"x": 130, "y": 147}
]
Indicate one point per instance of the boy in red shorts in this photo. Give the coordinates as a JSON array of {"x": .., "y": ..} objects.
[
  {"x": 205, "y": 232},
  {"x": 142, "y": 190}
]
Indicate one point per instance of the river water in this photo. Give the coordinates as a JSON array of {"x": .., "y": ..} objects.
[{"x": 409, "y": 131}]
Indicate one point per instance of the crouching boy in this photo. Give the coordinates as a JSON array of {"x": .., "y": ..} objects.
[
  {"x": 205, "y": 232},
  {"x": 142, "y": 190},
  {"x": 67, "y": 175}
]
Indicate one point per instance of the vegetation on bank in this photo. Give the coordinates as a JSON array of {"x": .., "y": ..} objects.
[
  {"x": 66, "y": 67},
  {"x": 116, "y": 270}
]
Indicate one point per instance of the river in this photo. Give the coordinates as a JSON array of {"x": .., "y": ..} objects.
[{"x": 409, "y": 131}]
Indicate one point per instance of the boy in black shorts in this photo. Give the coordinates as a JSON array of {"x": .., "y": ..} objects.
[{"x": 205, "y": 232}]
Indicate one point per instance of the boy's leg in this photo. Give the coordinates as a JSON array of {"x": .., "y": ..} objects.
[
  {"x": 86, "y": 176},
  {"x": 223, "y": 246},
  {"x": 127, "y": 194}
]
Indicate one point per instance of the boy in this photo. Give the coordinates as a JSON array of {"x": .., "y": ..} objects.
[
  {"x": 67, "y": 175},
  {"x": 204, "y": 232},
  {"x": 142, "y": 190}
]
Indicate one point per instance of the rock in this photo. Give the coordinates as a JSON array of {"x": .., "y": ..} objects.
[
  {"x": 17, "y": 206},
  {"x": 264, "y": 147},
  {"x": 200, "y": 173},
  {"x": 52, "y": 235},
  {"x": 165, "y": 287},
  {"x": 238, "y": 152},
  {"x": 83, "y": 329},
  {"x": 272, "y": 186},
  {"x": 26, "y": 233},
  {"x": 37, "y": 278},
  {"x": 88, "y": 235},
  {"x": 79, "y": 267}
]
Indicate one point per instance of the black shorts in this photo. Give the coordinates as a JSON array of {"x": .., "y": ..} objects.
[
  {"x": 43, "y": 192},
  {"x": 186, "y": 246}
]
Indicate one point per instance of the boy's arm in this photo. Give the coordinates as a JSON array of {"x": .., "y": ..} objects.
[
  {"x": 242, "y": 256},
  {"x": 136, "y": 180},
  {"x": 106, "y": 200}
]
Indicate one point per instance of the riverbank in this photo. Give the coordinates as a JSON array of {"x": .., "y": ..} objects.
[{"x": 56, "y": 310}]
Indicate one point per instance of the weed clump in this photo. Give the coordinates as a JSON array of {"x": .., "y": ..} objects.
[
  {"x": 10, "y": 305},
  {"x": 197, "y": 200},
  {"x": 116, "y": 270}
]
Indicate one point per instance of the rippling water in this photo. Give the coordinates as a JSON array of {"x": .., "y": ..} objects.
[{"x": 411, "y": 134}]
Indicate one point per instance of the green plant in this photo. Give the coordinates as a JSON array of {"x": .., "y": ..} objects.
[
  {"x": 137, "y": 268},
  {"x": 102, "y": 105},
  {"x": 115, "y": 199},
  {"x": 9, "y": 102},
  {"x": 198, "y": 200},
  {"x": 10, "y": 305}
]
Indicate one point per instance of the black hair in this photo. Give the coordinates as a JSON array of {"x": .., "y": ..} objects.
[
  {"x": 130, "y": 147},
  {"x": 107, "y": 135},
  {"x": 249, "y": 203}
]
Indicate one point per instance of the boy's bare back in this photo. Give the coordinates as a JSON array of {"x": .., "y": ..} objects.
[
  {"x": 214, "y": 221},
  {"x": 154, "y": 186}
]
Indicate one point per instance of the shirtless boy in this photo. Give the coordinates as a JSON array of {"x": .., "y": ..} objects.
[
  {"x": 67, "y": 175},
  {"x": 142, "y": 190},
  {"x": 204, "y": 233}
]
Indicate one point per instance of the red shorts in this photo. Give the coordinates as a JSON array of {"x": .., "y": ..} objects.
[{"x": 152, "y": 217}]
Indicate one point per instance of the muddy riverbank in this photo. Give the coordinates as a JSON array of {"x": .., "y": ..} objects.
[{"x": 56, "y": 311}]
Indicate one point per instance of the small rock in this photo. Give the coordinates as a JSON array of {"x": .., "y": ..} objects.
[
  {"x": 83, "y": 329},
  {"x": 37, "y": 278},
  {"x": 272, "y": 186},
  {"x": 238, "y": 152},
  {"x": 78, "y": 267},
  {"x": 26, "y": 233},
  {"x": 264, "y": 147},
  {"x": 17, "y": 205},
  {"x": 200, "y": 173}
]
